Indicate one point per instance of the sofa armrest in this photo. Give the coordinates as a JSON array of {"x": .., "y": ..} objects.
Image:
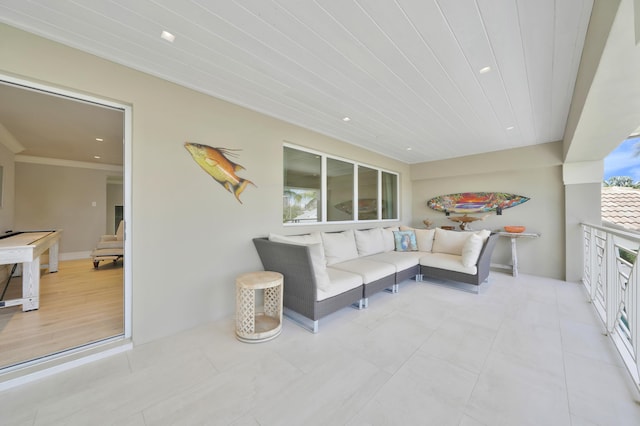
[
  {"x": 484, "y": 260},
  {"x": 294, "y": 263}
]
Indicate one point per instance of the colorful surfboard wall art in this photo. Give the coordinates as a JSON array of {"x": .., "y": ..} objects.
[{"x": 475, "y": 202}]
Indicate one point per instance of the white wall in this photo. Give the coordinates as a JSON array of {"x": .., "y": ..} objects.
[
  {"x": 56, "y": 197},
  {"x": 606, "y": 104},
  {"x": 534, "y": 172},
  {"x": 190, "y": 237},
  {"x": 6, "y": 209},
  {"x": 115, "y": 197}
]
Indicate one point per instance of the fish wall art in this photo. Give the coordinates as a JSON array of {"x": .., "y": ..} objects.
[{"x": 216, "y": 163}]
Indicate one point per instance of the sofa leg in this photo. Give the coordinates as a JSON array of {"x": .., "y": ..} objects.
[
  {"x": 419, "y": 278},
  {"x": 361, "y": 304},
  {"x": 306, "y": 323},
  {"x": 393, "y": 289}
]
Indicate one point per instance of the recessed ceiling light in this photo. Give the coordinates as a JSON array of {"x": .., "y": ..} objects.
[
  {"x": 345, "y": 119},
  {"x": 97, "y": 157},
  {"x": 166, "y": 35},
  {"x": 485, "y": 70},
  {"x": 409, "y": 148},
  {"x": 99, "y": 139},
  {"x": 510, "y": 128}
]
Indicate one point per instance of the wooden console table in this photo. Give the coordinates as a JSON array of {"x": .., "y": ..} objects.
[{"x": 514, "y": 253}]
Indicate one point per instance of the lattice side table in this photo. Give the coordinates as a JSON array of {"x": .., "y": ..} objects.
[{"x": 253, "y": 325}]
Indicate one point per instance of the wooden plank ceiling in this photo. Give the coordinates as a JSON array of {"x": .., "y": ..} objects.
[{"x": 408, "y": 73}]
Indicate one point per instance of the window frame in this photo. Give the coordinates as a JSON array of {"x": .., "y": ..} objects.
[{"x": 324, "y": 189}]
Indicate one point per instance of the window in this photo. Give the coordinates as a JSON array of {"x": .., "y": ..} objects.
[
  {"x": 389, "y": 195},
  {"x": 367, "y": 193},
  {"x": 353, "y": 192},
  {"x": 302, "y": 187},
  {"x": 339, "y": 190}
]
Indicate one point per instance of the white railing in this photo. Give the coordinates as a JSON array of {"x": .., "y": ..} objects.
[{"x": 611, "y": 277}]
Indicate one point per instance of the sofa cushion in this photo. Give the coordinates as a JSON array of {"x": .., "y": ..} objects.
[
  {"x": 449, "y": 262},
  {"x": 405, "y": 240},
  {"x": 368, "y": 269},
  {"x": 369, "y": 241},
  {"x": 484, "y": 234},
  {"x": 107, "y": 252},
  {"x": 449, "y": 242},
  {"x": 401, "y": 260},
  {"x": 339, "y": 246},
  {"x": 424, "y": 237},
  {"x": 471, "y": 249},
  {"x": 316, "y": 251},
  {"x": 341, "y": 281},
  {"x": 388, "y": 239},
  {"x": 117, "y": 245}
]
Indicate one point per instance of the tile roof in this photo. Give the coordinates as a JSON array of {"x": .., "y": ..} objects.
[{"x": 621, "y": 206}]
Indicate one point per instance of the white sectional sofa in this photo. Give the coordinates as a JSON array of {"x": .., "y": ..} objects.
[{"x": 326, "y": 271}]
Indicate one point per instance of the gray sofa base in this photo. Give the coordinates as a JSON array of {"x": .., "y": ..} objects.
[
  {"x": 383, "y": 283},
  {"x": 445, "y": 274},
  {"x": 405, "y": 275}
]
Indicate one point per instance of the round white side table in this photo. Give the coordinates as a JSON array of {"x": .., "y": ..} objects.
[{"x": 258, "y": 325}]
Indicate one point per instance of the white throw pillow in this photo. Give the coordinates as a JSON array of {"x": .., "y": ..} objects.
[
  {"x": 449, "y": 242},
  {"x": 388, "y": 238},
  {"x": 424, "y": 237},
  {"x": 339, "y": 246},
  {"x": 369, "y": 241},
  {"x": 484, "y": 234},
  {"x": 471, "y": 249},
  {"x": 316, "y": 252}
]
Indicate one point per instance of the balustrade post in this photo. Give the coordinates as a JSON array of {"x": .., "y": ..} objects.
[
  {"x": 632, "y": 313},
  {"x": 593, "y": 264},
  {"x": 612, "y": 288}
]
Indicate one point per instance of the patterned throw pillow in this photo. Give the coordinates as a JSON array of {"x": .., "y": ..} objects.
[{"x": 405, "y": 240}]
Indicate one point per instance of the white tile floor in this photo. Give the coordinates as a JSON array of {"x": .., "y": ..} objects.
[{"x": 525, "y": 351}]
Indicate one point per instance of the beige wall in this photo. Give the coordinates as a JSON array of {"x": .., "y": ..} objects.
[
  {"x": 56, "y": 197},
  {"x": 534, "y": 172},
  {"x": 190, "y": 237},
  {"x": 579, "y": 202},
  {"x": 6, "y": 209}
]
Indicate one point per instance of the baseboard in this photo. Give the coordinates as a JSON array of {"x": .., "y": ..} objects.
[{"x": 75, "y": 255}]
